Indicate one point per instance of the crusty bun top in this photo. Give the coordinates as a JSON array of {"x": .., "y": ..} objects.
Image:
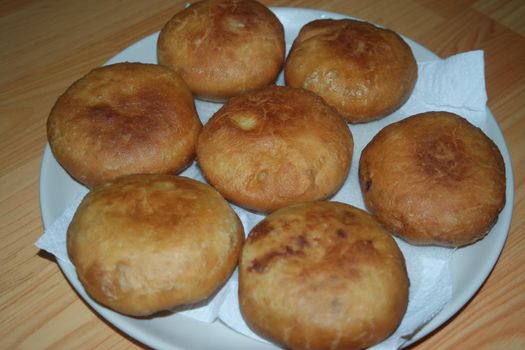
[
  {"x": 275, "y": 146},
  {"x": 434, "y": 178},
  {"x": 122, "y": 119},
  {"x": 223, "y": 47},
  {"x": 147, "y": 243},
  {"x": 364, "y": 71},
  {"x": 322, "y": 275}
]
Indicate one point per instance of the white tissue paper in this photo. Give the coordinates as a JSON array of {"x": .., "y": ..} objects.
[{"x": 456, "y": 85}]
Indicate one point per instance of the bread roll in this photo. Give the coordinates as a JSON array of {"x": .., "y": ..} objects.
[
  {"x": 322, "y": 275},
  {"x": 434, "y": 178},
  {"x": 123, "y": 119},
  {"x": 147, "y": 243},
  {"x": 364, "y": 71},
  {"x": 275, "y": 146},
  {"x": 223, "y": 47}
]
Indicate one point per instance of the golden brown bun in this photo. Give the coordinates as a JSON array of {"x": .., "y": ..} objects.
[
  {"x": 147, "y": 243},
  {"x": 123, "y": 119},
  {"x": 434, "y": 178},
  {"x": 365, "y": 72},
  {"x": 223, "y": 47},
  {"x": 322, "y": 275},
  {"x": 275, "y": 146}
]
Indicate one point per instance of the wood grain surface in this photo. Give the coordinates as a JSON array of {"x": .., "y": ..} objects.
[{"x": 46, "y": 45}]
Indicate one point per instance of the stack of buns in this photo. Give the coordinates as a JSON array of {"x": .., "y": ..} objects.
[{"x": 146, "y": 240}]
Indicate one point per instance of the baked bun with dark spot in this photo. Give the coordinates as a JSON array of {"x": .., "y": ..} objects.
[
  {"x": 364, "y": 71},
  {"x": 223, "y": 47},
  {"x": 148, "y": 243},
  {"x": 123, "y": 119},
  {"x": 275, "y": 146},
  {"x": 322, "y": 275},
  {"x": 434, "y": 178}
]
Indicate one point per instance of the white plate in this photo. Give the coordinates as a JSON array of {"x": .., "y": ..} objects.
[{"x": 470, "y": 266}]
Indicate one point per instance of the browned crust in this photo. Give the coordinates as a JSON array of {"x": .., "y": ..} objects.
[
  {"x": 434, "y": 179},
  {"x": 365, "y": 72},
  {"x": 122, "y": 119},
  {"x": 222, "y": 48},
  {"x": 275, "y": 146},
  {"x": 147, "y": 243},
  {"x": 322, "y": 275}
]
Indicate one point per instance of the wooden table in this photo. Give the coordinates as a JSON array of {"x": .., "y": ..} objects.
[{"x": 46, "y": 45}]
